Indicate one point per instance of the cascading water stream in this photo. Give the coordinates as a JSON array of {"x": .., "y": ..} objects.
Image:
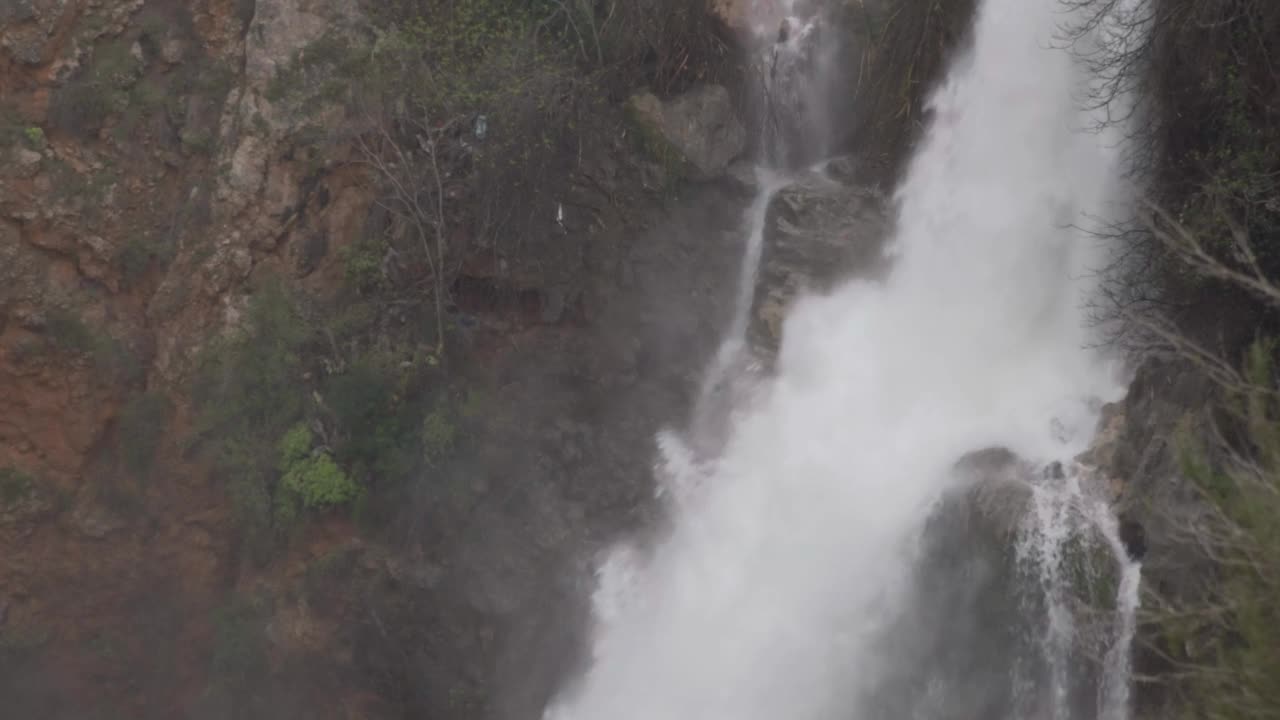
[
  {"x": 793, "y": 70},
  {"x": 791, "y": 549}
]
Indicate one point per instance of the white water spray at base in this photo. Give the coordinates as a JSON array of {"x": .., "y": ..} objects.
[{"x": 790, "y": 551}]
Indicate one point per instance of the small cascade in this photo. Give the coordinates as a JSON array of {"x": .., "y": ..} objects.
[
  {"x": 1077, "y": 571},
  {"x": 795, "y": 68}
]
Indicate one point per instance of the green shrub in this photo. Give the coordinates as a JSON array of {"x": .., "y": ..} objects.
[
  {"x": 249, "y": 390},
  {"x": 34, "y": 137},
  {"x": 311, "y": 473},
  {"x": 1225, "y": 639}
]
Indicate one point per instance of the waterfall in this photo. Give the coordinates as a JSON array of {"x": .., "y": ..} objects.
[
  {"x": 790, "y": 552},
  {"x": 795, "y": 71}
]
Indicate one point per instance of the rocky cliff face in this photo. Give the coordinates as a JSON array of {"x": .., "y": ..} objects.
[{"x": 151, "y": 178}]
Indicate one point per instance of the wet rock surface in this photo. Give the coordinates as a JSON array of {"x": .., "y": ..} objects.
[
  {"x": 701, "y": 125},
  {"x": 821, "y": 230}
]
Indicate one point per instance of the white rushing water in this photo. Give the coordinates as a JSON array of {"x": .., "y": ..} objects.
[{"x": 789, "y": 551}]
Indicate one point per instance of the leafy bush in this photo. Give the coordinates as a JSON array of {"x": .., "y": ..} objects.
[
  {"x": 250, "y": 390},
  {"x": 312, "y": 474},
  {"x": 34, "y": 137}
]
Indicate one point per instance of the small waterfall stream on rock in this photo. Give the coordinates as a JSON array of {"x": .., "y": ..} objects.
[{"x": 893, "y": 524}]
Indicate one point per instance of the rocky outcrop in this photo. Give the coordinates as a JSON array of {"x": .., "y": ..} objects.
[
  {"x": 821, "y": 229},
  {"x": 129, "y": 241},
  {"x": 736, "y": 14},
  {"x": 699, "y": 129}
]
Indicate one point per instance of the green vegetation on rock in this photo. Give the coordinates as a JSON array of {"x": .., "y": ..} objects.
[
  {"x": 302, "y": 417},
  {"x": 1225, "y": 639},
  {"x": 311, "y": 472},
  {"x": 83, "y": 103}
]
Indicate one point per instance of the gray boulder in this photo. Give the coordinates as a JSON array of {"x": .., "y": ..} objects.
[
  {"x": 699, "y": 130},
  {"x": 820, "y": 231}
]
